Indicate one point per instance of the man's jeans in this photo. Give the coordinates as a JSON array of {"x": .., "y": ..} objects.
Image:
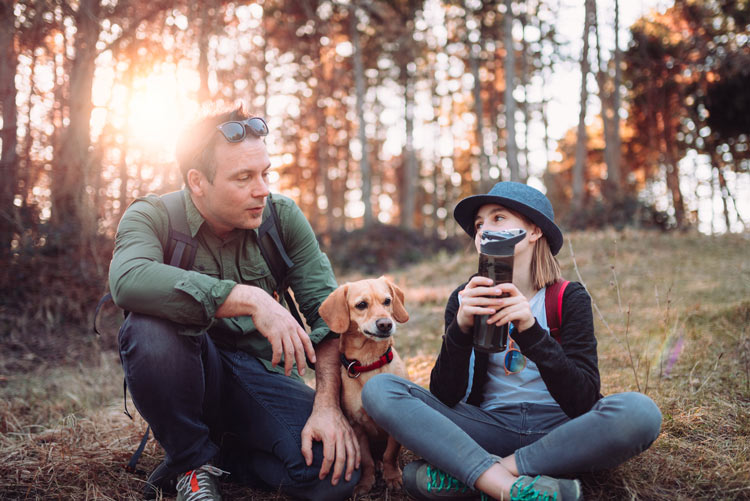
[
  {"x": 202, "y": 401},
  {"x": 462, "y": 440}
]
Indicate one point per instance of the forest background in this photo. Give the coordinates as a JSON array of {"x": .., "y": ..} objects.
[{"x": 383, "y": 114}]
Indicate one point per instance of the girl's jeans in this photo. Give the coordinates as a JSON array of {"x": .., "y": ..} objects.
[
  {"x": 202, "y": 401},
  {"x": 462, "y": 440}
]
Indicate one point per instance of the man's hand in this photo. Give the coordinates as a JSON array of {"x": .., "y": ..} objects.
[
  {"x": 340, "y": 446},
  {"x": 274, "y": 322},
  {"x": 327, "y": 423}
]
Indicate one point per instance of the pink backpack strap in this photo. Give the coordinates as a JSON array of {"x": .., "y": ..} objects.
[{"x": 553, "y": 298}]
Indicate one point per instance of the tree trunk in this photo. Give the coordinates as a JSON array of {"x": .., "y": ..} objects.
[
  {"x": 580, "y": 163},
  {"x": 123, "y": 160},
  {"x": 9, "y": 133},
  {"x": 493, "y": 107},
  {"x": 359, "y": 76},
  {"x": 204, "y": 34},
  {"x": 69, "y": 172},
  {"x": 511, "y": 150},
  {"x": 545, "y": 124},
  {"x": 474, "y": 55},
  {"x": 26, "y": 168},
  {"x": 411, "y": 173},
  {"x": 723, "y": 189},
  {"x": 671, "y": 161},
  {"x": 525, "y": 84},
  {"x": 615, "y": 174},
  {"x": 610, "y": 115}
]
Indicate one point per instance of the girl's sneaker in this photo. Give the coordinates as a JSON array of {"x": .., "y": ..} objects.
[
  {"x": 541, "y": 488},
  {"x": 425, "y": 482}
]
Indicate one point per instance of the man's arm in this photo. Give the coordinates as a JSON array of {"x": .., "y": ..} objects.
[
  {"x": 141, "y": 282},
  {"x": 327, "y": 423},
  {"x": 274, "y": 322}
]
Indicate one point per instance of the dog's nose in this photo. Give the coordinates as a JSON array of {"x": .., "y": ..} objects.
[{"x": 384, "y": 324}]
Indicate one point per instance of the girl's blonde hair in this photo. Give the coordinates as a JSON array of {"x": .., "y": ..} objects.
[{"x": 545, "y": 269}]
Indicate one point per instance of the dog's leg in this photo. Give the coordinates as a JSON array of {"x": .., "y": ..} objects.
[
  {"x": 391, "y": 471},
  {"x": 367, "y": 478}
]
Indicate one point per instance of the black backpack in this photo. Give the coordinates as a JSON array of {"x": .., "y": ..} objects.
[{"x": 180, "y": 252}]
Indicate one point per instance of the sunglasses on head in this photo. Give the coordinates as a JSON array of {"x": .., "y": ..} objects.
[{"x": 235, "y": 131}]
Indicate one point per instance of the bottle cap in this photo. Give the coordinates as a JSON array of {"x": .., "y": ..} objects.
[{"x": 500, "y": 243}]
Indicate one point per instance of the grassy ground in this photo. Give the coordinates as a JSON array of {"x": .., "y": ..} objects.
[{"x": 672, "y": 314}]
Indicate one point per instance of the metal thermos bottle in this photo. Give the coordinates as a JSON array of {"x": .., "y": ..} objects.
[{"x": 495, "y": 262}]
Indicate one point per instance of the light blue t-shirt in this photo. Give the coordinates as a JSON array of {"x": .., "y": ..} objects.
[{"x": 526, "y": 386}]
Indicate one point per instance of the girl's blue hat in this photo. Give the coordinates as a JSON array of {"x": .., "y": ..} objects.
[{"x": 527, "y": 201}]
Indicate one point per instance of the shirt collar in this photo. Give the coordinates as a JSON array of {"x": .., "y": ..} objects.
[{"x": 194, "y": 218}]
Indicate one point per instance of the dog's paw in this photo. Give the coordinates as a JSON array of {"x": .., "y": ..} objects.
[
  {"x": 364, "y": 486},
  {"x": 393, "y": 478},
  {"x": 395, "y": 484}
]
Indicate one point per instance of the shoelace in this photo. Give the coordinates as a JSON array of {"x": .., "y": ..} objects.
[
  {"x": 528, "y": 493},
  {"x": 439, "y": 480},
  {"x": 194, "y": 484}
]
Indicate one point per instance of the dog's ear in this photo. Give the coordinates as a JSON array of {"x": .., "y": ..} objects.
[
  {"x": 399, "y": 312},
  {"x": 334, "y": 311}
]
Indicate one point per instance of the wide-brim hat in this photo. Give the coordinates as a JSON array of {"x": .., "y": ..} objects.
[{"x": 522, "y": 198}]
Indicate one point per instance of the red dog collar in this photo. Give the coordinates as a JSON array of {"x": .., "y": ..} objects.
[{"x": 354, "y": 368}]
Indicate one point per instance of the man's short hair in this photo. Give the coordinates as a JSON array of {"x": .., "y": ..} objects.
[{"x": 197, "y": 145}]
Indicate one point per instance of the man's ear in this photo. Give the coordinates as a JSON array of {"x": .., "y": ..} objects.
[
  {"x": 335, "y": 311},
  {"x": 399, "y": 312},
  {"x": 195, "y": 181}
]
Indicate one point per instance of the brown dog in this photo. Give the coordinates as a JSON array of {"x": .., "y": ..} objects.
[{"x": 363, "y": 312}]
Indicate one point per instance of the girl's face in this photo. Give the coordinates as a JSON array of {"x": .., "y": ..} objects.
[{"x": 493, "y": 217}]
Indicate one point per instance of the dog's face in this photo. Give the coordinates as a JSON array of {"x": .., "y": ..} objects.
[{"x": 368, "y": 306}]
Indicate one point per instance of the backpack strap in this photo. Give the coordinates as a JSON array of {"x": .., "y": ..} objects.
[
  {"x": 272, "y": 248},
  {"x": 181, "y": 246},
  {"x": 553, "y": 298}
]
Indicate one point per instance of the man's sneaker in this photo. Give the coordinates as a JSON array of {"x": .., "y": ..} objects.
[
  {"x": 543, "y": 488},
  {"x": 199, "y": 484},
  {"x": 425, "y": 482},
  {"x": 161, "y": 480}
]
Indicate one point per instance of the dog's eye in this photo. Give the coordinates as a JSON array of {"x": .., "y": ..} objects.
[
  {"x": 362, "y": 305},
  {"x": 387, "y": 301}
]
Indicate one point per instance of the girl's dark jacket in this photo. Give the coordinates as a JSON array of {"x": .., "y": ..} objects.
[{"x": 569, "y": 368}]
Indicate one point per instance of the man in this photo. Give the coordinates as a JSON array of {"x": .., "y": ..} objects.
[{"x": 202, "y": 349}]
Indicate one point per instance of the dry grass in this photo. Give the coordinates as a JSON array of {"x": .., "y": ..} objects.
[{"x": 673, "y": 323}]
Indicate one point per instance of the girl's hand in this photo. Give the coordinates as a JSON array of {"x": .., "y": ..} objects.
[
  {"x": 514, "y": 308},
  {"x": 479, "y": 297}
]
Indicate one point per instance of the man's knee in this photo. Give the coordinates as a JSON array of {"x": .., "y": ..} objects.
[
  {"x": 323, "y": 490},
  {"x": 150, "y": 337}
]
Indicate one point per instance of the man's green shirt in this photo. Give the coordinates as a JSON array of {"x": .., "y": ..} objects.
[{"x": 141, "y": 282}]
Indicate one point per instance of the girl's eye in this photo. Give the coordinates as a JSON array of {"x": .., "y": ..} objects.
[
  {"x": 387, "y": 301},
  {"x": 499, "y": 218},
  {"x": 362, "y": 305},
  {"x": 477, "y": 225}
]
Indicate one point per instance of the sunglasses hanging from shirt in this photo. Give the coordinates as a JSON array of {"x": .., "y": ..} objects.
[{"x": 514, "y": 361}]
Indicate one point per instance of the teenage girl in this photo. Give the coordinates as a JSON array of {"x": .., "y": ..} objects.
[{"x": 507, "y": 425}]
